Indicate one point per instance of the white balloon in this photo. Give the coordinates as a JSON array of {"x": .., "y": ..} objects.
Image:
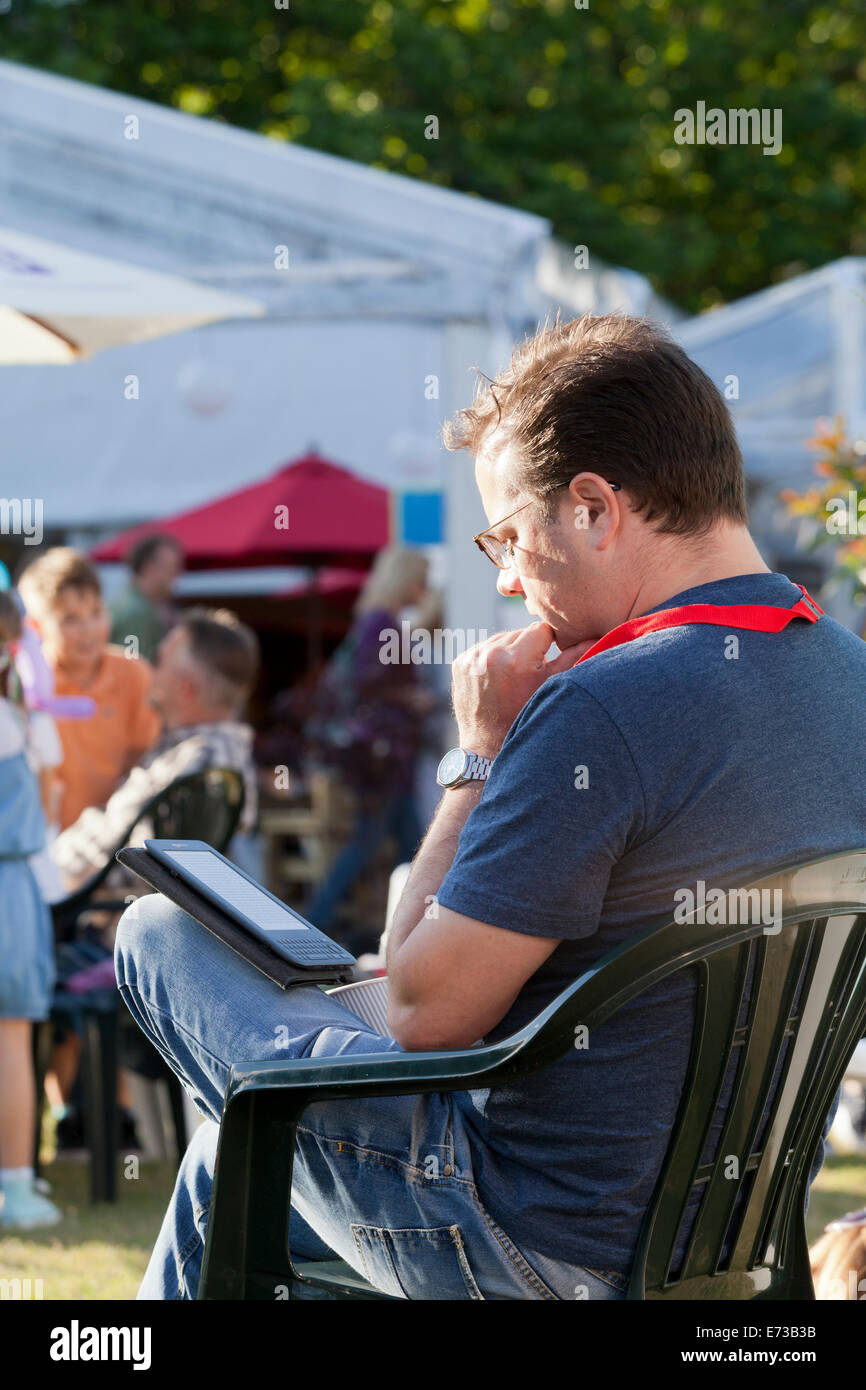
[{"x": 204, "y": 387}]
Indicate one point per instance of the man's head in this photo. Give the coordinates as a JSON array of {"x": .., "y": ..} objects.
[
  {"x": 156, "y": 561},
  {"x": 63, "y": 596},
  {"x": 206, "y": 668},
  {"x": 583, "y": 405}
]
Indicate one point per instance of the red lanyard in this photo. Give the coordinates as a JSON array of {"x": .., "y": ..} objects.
[{"x": 754, "y": 616}]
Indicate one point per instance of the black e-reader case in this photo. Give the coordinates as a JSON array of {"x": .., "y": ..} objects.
[{"x": 281, "y": 971}]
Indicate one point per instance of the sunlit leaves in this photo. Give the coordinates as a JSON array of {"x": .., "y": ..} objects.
[{"x": 565, "y": 112}]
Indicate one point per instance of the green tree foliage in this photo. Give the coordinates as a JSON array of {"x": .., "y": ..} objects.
[{"x": 564, "y": 111}]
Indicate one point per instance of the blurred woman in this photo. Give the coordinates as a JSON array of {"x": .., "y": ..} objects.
[
  {"x": 26, "y": 947},
  {"x": 368, "y": 724}
]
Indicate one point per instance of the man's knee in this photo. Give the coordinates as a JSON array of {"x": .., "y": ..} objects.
[{"x": 148, "y": 932}]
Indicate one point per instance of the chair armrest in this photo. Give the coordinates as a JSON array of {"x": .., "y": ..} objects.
[
  {"x": 380, "y": 1073},
  {"x": 248, "y": 1235},
  {"x": 247, "y": 1239},
  {"x": 589, "y": 1000},
  {"x": 626, "y": 971},
  {"x": 66, "y": 911},
  {"x": 106, "y": 905},
  {"x": 74, "y": 902}
]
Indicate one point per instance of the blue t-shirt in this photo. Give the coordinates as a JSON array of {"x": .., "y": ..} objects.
[{"x": 698, "y": 764}]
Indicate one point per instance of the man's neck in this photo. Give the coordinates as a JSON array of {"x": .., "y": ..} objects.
[
  {"x": 726, "y": 553},
  {"x": 143, "y": 592}
]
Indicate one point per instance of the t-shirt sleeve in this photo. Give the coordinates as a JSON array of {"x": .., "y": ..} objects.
[{"x": 562, "y": 804}]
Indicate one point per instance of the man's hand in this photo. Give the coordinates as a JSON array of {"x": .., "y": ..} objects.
[
  {"x": 452, "y": 977},
  {"x": 492, "y": 681}
]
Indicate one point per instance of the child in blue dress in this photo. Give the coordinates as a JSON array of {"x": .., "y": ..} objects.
[{"x": 26, "y": 948}]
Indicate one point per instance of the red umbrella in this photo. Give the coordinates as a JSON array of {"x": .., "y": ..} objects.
[
  {"x": 329, "y": 581},
  {"x": 310, "y": 512}
]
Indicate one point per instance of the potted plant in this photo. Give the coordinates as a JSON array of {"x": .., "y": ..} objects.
[{"x": 836, "y": 505}]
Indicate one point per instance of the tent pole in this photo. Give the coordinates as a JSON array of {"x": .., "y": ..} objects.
[{"x": 314, "y": 626}]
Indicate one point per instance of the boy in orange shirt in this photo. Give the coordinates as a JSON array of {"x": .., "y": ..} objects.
[{"x": 63, "y": 596}]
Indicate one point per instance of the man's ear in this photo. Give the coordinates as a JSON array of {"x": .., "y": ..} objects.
[{"x": 596, "y": 507}]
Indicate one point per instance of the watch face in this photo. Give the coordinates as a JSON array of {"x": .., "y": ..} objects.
[{"x": 451, "y": 766}]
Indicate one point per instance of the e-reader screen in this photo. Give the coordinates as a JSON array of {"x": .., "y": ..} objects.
[{"x": 238, "y": 892}]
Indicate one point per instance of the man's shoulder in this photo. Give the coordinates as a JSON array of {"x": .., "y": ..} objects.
[
  {"x": 573, "y": 702},
  {"x": 698, "y": 676},
  {"x": 131, "y": 673},
  {"x": 212, "y": 740}
]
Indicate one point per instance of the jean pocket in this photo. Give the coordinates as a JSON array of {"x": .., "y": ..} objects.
[
  {"x": 425, "y": 1263},
  {"x": 611, "y": 1278}
]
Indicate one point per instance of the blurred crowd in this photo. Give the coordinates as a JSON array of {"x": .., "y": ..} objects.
[{"x": 103, "y": 708}]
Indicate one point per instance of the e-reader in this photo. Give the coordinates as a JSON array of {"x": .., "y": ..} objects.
[{"x": 235, "y": 893}]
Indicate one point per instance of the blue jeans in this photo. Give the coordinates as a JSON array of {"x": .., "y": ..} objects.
[
  {"x": 396, "y": 815},
  {"x": 385, "y": 1184}
]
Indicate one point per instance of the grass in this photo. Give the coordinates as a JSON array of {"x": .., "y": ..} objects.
[
  {"x": 101, "y": 1252},
  {"x": 96, "y": 1252},
  {"x": 839, "y": 1187}
]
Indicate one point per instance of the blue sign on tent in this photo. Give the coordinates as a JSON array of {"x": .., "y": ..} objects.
[{"x": 419, "y": 517}]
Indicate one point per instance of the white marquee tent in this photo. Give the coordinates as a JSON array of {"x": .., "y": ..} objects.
[
  {"x": 381, "y": 292},
  {"x": 784, "y": 358},
  {"x": 58, "y": 305},
  {"x": 791, "y": 353}
]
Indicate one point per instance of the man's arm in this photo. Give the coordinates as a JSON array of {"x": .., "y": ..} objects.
[
  {"x": 143, "y": 722},
  {"x": 431, "y": 864},
  {"x": 452, "y": 977},
  {"x": 83, "y": 847}
]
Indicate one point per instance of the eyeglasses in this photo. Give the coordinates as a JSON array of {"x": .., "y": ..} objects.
[{"x": 502, "y": 552}]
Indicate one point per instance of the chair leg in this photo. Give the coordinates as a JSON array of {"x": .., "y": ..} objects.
[
  {"x": 246, "y": 1254},
  {"x": 41, "y": 1045},
  {"x": 178, "y": 1114},
  {"x": 99, "y": 1079}
]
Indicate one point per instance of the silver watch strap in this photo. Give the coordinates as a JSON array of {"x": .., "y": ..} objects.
[{"x": 478, "y": 768}]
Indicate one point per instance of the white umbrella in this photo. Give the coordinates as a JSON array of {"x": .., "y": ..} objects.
[{"x": 57, "y": 305}]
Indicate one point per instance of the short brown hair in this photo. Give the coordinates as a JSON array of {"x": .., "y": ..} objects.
[
  {"x": 139, "y": 555},
  {"x": 614, "y": 395},
  {"x": 45, "y": 577},
  {"x": 226, "y": 647}
]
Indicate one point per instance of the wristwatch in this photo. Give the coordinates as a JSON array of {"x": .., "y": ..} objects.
[{"x": 459, "y": 766}]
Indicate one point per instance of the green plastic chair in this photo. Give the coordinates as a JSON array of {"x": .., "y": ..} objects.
[
  {"x": 204, "y": 805},
  {"x": 807, "y": 1003}
]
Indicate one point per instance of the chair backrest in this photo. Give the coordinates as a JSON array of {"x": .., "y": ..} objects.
[
  {"x": 204, "y": 806},
  {"x": 779, "y": 1012}
]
